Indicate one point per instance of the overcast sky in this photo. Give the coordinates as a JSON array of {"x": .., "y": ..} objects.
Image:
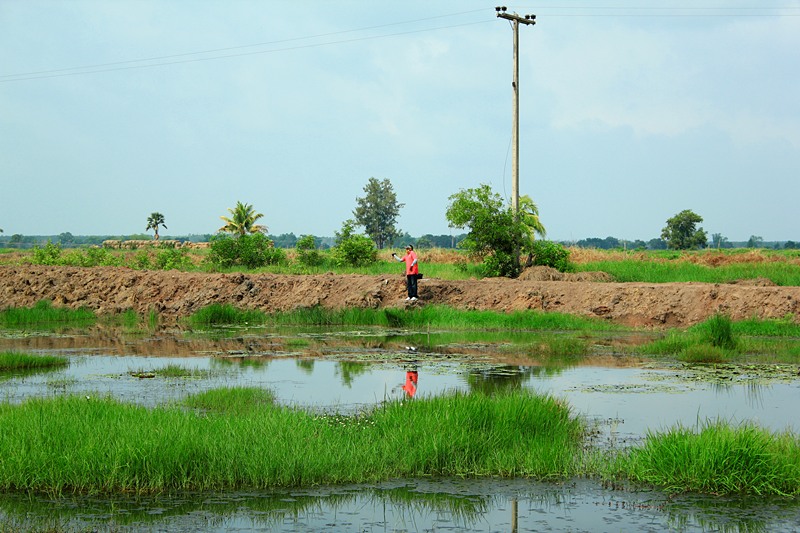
[{"x": 112, "y": 110}]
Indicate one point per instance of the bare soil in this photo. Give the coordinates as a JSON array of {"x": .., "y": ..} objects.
[{"x": 176, "y": 295}]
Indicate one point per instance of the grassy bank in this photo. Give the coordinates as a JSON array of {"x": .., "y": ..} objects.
[
  {"x": 429, "y": 316},
  {"x": 237, "y": 439}
]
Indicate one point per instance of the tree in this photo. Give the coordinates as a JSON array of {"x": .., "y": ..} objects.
[
  {"x": 377, "y": 211},
  {"x": 719, "y": 241},
  {"x": 494, "y": 233},
  {"x": 153, "y": 222},
  {"x": 755, "y": 241},
  {"x": 681, "y": 232},
  {"x": 242, "y": 221},
  {"x": 66, "y": 238}
]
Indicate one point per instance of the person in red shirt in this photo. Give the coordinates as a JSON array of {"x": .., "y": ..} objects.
[{"x": 412, "y": 269}]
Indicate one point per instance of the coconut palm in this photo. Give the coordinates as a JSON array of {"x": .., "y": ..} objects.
[
  {"x": 243, "y": 220},
  {"x": 529, "y": 216},
  {"x": 154, "y": 221}
]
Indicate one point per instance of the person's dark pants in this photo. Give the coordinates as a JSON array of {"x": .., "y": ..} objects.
[{"x": 411, "y": 285}]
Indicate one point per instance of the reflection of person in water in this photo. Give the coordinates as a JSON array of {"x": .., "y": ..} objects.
[{"x": 412, "y": 376}]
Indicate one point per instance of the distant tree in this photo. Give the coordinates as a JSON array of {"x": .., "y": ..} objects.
[
  {"x": 656, "y": 244},
  {"x": 755, "y": 241},
  {"x": 718, "y": 241},
  {"x": 377, "y": 211},
  {"x": 681, "y": 232},
  {"x": 595, "y": 242},
  {"x": 153, "y": 222},
  {"x": 16, "y": 238},
  {"x": 242, "y": 221},
  {"x": 284, "y": 240},
  {"x": 791, "y": 245},
  {"x": 495, "y": 235},
  {"x": 66, "y": 238}
]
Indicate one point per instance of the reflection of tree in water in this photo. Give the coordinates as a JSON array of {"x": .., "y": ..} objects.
[
  {"x": 306, "y": 365},
  {"x": 501, "y": 378},
  {"x": 349, "y": 370}
]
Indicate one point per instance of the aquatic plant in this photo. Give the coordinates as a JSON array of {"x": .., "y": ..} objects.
[{"x": 716, "y": 458}]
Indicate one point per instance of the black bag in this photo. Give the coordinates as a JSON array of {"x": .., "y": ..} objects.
[{"x": 419, "y": 276}]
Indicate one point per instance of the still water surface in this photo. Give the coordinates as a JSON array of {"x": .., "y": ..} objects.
[{"x": 624, "y": 401}]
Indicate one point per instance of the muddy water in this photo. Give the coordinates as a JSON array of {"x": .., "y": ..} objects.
[{"x": 346, "y": 372}]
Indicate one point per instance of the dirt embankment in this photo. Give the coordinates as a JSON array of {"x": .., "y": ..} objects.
[{"x": 177, "y": 294}]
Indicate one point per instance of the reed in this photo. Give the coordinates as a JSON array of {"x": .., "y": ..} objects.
[
  {"x": 45, "y": 314},
  {"x": 717, "y": 458},
  {"x": 12, "y": 360},
  {"x": 239, "y": 439}
]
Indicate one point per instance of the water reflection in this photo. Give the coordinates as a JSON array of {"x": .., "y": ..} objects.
[
  {"x": 423, "y": 505},
  {"x": 412, "y": 379}
]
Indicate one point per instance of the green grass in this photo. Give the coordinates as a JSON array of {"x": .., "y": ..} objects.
[
  {"x": 633, "y": 270},
  {"x": 718, "y": 458},
  {"x": 11, "y": 360},
  {"x": 226, "y": 314},
  {"x": 73, "y": 444},
  {"x": 45, "y": 314},
  {"x": 443, "y": 317}
]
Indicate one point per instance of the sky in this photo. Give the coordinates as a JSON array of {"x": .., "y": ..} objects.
[{"x": 630, "y": 112}]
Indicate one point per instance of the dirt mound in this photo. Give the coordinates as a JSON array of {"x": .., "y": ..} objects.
[
  {"x": 178, "y": 294},
  {"x": 545, "y": 273}
]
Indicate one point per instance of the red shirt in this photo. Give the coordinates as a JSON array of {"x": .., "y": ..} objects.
[{"x": 410, "y": 259}]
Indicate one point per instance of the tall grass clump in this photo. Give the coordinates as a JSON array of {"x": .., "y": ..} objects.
[
  {"x": 717, "y": 331},
  {"x": 237, "y": 439},
  {"x": 226, "y": 314},
  {"x": 719, "y": 459},
  {"x": 43, "y": 313},
  {"x": 12, "y": 360}
]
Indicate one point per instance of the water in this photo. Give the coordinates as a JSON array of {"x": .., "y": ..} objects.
[{"x": 624, "y": 401}]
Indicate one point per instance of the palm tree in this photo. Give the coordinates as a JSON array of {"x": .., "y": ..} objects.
[
  {"x": 529, "y": 216},
  {"x": 154, "y": 221},
  {"x": 242, "y": 220}
]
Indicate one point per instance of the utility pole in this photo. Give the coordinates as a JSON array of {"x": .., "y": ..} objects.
[{"x": 515, "y": 20}]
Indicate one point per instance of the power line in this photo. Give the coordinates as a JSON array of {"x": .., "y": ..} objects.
[{"x": 158, "y": 61}]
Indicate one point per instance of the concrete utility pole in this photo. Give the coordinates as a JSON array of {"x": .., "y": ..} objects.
[{"x": 515, "y": 20}]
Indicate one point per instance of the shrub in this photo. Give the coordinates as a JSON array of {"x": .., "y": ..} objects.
[
  {"x": 50, "y": 254},
  {"x": 172, "y": 259},
  {"x": 551, "y": 254},
  {"x": 251, "y": 251},
  {"x": 307, "y": 253},
  {"x": 353, "y": 249}
]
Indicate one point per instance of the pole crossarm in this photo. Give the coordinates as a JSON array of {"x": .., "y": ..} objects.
[{"x": 525, "y": 19}]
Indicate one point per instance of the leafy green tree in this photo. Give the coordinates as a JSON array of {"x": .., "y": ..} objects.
[
  {"x": 682, "y": 233},
  {"x": 377, "y": 211},
  {"x": 494, "y": 235},
  {"x": 153, "y": 222},
  {"x": 242, "y": 220},
  {"x": 353, "y": 249}
]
